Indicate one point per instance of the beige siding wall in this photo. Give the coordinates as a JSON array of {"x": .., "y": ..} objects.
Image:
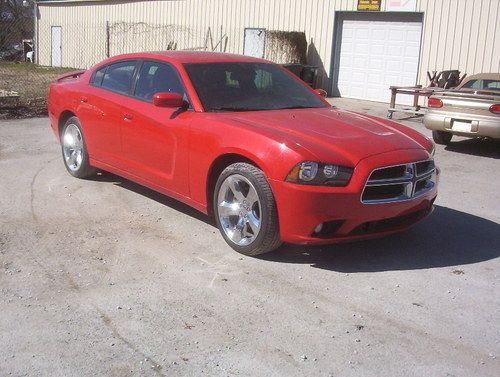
[
  {"x": 460, "y": 34},
  {"x": 463, "y": 34}
]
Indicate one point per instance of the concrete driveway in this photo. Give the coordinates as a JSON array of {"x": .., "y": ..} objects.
[{"x": 104, "y": 277}]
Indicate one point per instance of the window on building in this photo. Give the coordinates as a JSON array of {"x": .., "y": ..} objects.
[
  {"x": 118, "y": 76},
  {"x": 155, "y": 77}
]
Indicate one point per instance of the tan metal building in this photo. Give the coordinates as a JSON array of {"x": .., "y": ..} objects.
[{"x": 359, "y": 53}]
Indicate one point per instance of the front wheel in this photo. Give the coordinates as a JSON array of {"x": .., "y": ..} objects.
[
  {"x": 245, "y": 210},
  {"x": 442, "y": 137},
  {"x": 74, "y": 150}
]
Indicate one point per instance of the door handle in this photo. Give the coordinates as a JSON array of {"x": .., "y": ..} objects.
[
  {"x": 128, "y": 116},
  {"x": 84, "y": 99}
]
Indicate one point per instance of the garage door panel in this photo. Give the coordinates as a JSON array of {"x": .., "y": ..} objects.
[
  {"x": 412, "y": 50},
  {"x": 377, "y": 54},
  {"x": 358, "y": 76},
  {"x": 396, "y": 35},
  {"x": 394, "y": 66},
  {"x": 378, "y": 35},
  {"x": 390, "y": 80},
  {"x": 360, "y": 62},
  {"x": 374, "y": 78},
  {"x": 348, "y": 33},
  {"x": 376, "y": 48},
  {"x": 414, "y": 35},
  {"x": 409, "y": 68},
  {"x": 361, "y": 48}
]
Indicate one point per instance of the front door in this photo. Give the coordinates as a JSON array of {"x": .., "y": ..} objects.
[
  {"x": 56, "y": 43},
  {"x": 155, "y": 139}
]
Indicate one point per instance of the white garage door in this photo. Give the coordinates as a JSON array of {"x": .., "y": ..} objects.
[{"x": 377, "y": 54}]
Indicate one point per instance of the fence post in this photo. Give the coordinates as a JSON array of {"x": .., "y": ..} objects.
[
  {"x": 35, "y": 34},
  {"x": 107, "y": 39}
]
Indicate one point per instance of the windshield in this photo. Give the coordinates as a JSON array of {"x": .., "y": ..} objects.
[{"x": 249, "y": 87}]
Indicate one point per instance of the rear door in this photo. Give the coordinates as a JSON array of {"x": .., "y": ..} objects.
[
  {"x": 155, "y": 139},
  {"x": 102, "y": 108}
]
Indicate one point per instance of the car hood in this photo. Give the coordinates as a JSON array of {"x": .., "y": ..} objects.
[{"x": 328, "y": 131}]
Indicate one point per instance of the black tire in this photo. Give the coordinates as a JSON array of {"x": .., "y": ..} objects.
[
  {"x": 84, "y": 169},
  {"x": 268, "y": 238},
  {"x": 442, "y": 137}
]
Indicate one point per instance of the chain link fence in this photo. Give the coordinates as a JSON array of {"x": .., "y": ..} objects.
[
  {"x": 30, "y": 60},
  {"x": 33, "y": 56}
]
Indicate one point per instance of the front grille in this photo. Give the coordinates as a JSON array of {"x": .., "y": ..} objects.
[
  {"x": 424, "y": 167},
  {"x": 399, "y": 182},
  {"x": 384, "y": 192},
  {"x": 389, "y": 173}
]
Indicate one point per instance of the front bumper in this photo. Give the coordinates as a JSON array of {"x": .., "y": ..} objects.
[
  {"x": 302, "y": 208},
  {"x": 480, "y": 125}
]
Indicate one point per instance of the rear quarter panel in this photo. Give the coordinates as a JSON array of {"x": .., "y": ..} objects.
[{"x": 63, "y": 96}]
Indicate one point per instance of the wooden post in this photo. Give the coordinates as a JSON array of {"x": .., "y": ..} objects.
[{"x": 393, "y": 97}]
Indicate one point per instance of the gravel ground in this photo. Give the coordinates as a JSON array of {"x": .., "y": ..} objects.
[{"x": 104, "y": 277}]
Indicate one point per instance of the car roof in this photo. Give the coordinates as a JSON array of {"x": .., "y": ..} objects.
[{"x": 192, "y": 57}]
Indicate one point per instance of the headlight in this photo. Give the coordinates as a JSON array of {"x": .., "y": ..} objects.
[
  {"x": 433, "y": 150},
  {"x": 320, "y": 174}
]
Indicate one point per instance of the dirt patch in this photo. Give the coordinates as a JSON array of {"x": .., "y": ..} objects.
[{"x": 30, "y": 82}]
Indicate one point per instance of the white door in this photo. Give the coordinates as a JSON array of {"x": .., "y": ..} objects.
[
  {"x": 375, "y": 55},
  {"x": 56, "y": 46},
  {"x": 254, "y": 43}
]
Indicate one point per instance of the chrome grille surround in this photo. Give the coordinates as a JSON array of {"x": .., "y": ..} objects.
[{"x": 413, "y": 180}]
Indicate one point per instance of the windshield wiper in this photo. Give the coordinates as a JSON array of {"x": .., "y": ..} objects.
[
  {"x": 227, "y": 108},
  {"x": 297, "y": 107}
]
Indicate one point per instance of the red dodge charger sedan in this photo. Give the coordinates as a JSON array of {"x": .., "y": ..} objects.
[{"x": 246, "y": 141}]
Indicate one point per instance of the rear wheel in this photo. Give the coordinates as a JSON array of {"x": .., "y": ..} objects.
[
  {"x": 74, "y": 150},
  {"x": 442, "y": 137},
  {"x": 245, "y": 210}
]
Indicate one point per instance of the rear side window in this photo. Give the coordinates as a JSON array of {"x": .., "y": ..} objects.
[
  {"x": 483, "y": 84},
  {"x": 118, "y": 77},
  {"x": 98, "y": 75},
  {"x": 156, "y": 77},
  {"x": 492, "y": 84}
]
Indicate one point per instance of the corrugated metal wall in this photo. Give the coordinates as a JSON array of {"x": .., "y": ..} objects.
[{"x": 463, "y": 34}]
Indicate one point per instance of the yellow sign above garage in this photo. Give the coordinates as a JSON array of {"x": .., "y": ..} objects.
[{"x": 369, "y": 4}]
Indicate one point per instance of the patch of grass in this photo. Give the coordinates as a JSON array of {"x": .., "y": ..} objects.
[{"x": 31, "y": 82}]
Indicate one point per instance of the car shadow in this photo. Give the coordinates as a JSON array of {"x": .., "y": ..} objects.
[
  {"x": 447, "y": 238},
  {"x": 477, "y": 147},
  {"x": 153, "y": 195}
]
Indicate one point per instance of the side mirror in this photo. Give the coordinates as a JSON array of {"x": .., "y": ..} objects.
[
  {"x": 166, "y": 99},
  {"x": 321, "y": 92}
]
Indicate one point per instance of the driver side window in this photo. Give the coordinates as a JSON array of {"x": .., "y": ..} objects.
[{"x": 155, "y": 77}]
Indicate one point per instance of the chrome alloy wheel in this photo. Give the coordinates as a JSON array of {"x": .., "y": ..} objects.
[
  {"x": 239, "y": 210},
  {"x": 72, "y": 147}
]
